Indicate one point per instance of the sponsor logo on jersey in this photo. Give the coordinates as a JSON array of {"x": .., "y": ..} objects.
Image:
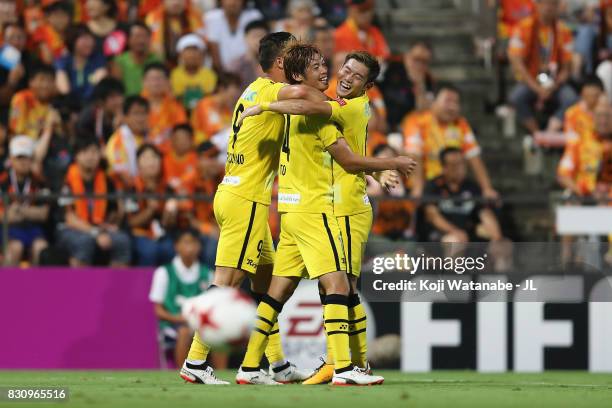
[
  {"x": 286, "y": 198},
  {"x": 231, "y": 180}
]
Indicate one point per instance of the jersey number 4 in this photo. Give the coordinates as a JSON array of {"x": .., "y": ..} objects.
[{"x": 285, "y": 148}]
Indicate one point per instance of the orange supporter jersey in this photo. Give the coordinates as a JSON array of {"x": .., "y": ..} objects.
[
  {"x": 208, "y": 118},
  {"x": 425, "y": 137},
  {"x": 374, "y": 95},
  {"x": 578, "y": 120},
  {"x": 582, "y": 160},
  {"x": 162, "y": 118},
  {"x": 189, "y": 22},
  {"x": 27, "y": 114},
  {"x": 541, "y": 47},
  {"x": 45, "y": 37},
  {"x": 393, "y": 218},
  {"x": 203, "y": 209},
  {"x": 510, "y": 13},
  {"x": 175, "y": 169},
  {"x": 348, "y": 38}
]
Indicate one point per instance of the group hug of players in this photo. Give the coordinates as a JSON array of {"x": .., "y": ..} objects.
[{"x": 283, "y": 123}]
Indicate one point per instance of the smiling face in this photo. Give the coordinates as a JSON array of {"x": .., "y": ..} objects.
[
  {"x": 352, "y": 79},
  {"x": 316, "y": 74}
]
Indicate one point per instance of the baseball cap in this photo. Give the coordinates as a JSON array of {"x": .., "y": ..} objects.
[
  {"x": 21, "y": 146},
  {"x": 361, "y": 4},
  {"x": 190, "y": 40}
]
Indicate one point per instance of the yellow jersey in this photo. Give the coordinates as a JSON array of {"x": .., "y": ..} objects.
[
  {"x": 351, "y": 116},
  {"x": 305, "y": 180},
  {"x": 253, "y": 148}
]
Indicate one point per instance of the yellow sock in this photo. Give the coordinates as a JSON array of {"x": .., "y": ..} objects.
[
  {"x": 357, "y": 332},
  {"x": 329, "y": 358},
  {"x": 198, "y": 350},
  {"x": 274, "y": 349},
  {"x": 267, "y": 313},
  {"x": 336, "y": 326}
]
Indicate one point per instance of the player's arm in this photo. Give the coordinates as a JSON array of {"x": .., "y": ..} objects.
[
  {"x": 162, "y": 314},
  {"x": 354, "y": 163},
  {"x": 288, "y": 107},
  {"x": 301, "y": 92}
]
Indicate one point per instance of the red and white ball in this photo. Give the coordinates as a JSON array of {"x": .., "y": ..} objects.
[{"x": 224, "y": 317}]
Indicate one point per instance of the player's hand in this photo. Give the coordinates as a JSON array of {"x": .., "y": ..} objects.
[
  {"x": 104, "y": 241},
  {"x": 405, "y": 165},
  {"x": 389, "y": 179},
  {"x": 250, "y": 111}
]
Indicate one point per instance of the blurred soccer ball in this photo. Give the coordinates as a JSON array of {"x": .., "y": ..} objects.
[{"x": 224, "y": 317}]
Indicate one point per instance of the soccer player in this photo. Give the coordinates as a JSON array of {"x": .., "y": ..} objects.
[
  {"x": 351, "y": 206},
  {"x": 311, "y": 244},
  {"x": 242, "y": 201}
]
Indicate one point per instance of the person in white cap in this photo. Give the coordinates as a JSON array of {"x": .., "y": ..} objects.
[
  {"x": 28, "y": 210},
  {"x": 191, "y": 80}
]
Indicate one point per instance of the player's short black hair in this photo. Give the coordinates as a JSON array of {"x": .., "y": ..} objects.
[
  {"x": 76, "y": 32},
  {"x": 148, "y": 147},
  {"x": 271, "y": 47},
  {"x": 155, "y": 66},
  {"x": 446, "y": 151},
  {"x": 186, "y": 232},
  {"x": 183, "y": 126},
  {"x": 257, "y": 24},
  {"x": 134, "y": 100},
  {"x": 591, "y": 80},
  {"x": 42, "y": 69},
  {"x": 84, "y": 142},
  {"x": 139, "y": 24},
  {"x": 446, "y": 86},
  {"x": 297, "y": 56},
  {"x": 107, "y": 87},
  {"x": 369, "y": 61}
]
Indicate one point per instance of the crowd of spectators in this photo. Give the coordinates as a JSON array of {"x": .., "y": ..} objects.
[{"x": 116, "y": 98}]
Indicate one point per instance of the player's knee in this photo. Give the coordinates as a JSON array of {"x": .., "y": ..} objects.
[
  {"x": 228, "y": 277},
  {"x": 335, "y": 283}
]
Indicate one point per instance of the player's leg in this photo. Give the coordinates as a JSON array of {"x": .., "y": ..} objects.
[
  {"x": 355, "y": 231},
  {"x": 232, "y": 264},
  {"x": 281, "y": 288}
]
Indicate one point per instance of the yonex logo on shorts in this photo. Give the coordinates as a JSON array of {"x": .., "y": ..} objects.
[
  {"x": 366, "y": 199},
  {"x": 286, "y": 198},
  {"x": 231, "y": 180}
]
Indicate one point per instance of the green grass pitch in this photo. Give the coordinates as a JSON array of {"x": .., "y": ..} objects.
[{"x": 448, "y": 389}]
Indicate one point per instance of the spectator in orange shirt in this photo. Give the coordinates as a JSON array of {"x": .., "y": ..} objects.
[
  {"x": 170, "y": 21},
  {"x": 511, "y": 13},
  {"x": 90, "y": 224},
  {"x": 540, "y": 52},
  {"x": 393, "y": 219},
  {"x": 428, "y": 133},
  {"x": 165, "y": 111},
  {"x": 149, "y": 218},
  {"x": 15, "y": 78},
  {"x": 583, "y": 156},
  {"x": 358, "y": 34},
  {"x": 214, "y": 113},
  {"x": 49, "y": 37},
  {"x": 30, "y": 107},
  {"x": 204, "y": 181},
  {"x": 121, "y": 148},
  {"x": 579, "y": 118},
  {"x": 181, "y": 159}
]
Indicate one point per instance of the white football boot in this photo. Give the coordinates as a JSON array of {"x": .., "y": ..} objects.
[
  {"x": 200, "y": 374},
  {"x": 289, "y": 373},
  {"x": 356, "y": 376},
  {"x": 259, "y": 377}
]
